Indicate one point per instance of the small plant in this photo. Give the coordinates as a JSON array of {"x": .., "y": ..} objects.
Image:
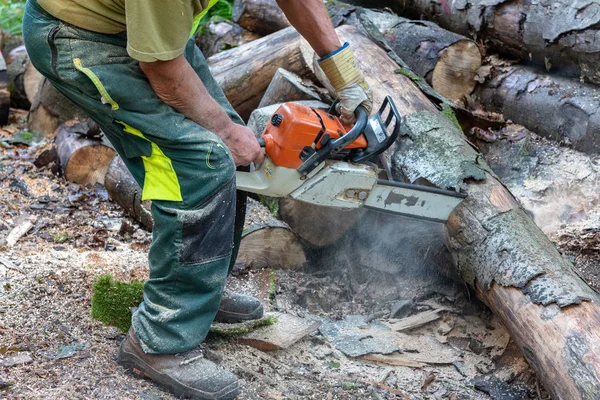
[
  {"x": 348, "y": 386},
  {"x": 272, "y": 203},
  {"x": 334, "y": 364},
  {"x": 60, "y": 237},
  {"x": 222, "y": 10}
]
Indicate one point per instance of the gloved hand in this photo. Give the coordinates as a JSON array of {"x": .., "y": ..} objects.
[{"x": 352, "y": 90}]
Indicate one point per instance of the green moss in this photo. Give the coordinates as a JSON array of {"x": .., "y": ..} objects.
[
  {"x": 234, "y": 330},
  {"x": 349, "y": 386},
  {"x": 60, "y": 237},
  {"x": 408, "y": 73},
  {"x": 451, "y": 115},
  {"x": 112, "y": 301},
  {"x": 272, "y": 203}
]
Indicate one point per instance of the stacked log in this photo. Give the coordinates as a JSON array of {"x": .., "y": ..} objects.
[
  {"x": 245, "y": 72},
  {"x": 260, "y": 16},
  {"x": 560, "y": 35}
]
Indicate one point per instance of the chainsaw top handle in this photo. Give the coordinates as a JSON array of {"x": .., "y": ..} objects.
[{"x": 325, "y": 151}]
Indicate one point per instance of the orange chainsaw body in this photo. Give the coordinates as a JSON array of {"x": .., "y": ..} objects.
[{"x": 294, "y": 127}]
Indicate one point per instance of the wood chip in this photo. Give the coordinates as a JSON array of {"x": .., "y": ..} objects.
[
  {"x": 417, "y": 320},
  {"x": 287, "y": 331},
  {"x": 395, "y": 360},
  {"x": 19, "y": 359},
  {"x": 18, "y": 232}
]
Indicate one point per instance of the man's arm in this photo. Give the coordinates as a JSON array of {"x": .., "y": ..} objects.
[
  {"x": 177, "y": 84},
  {"x": 310, "y": 18}
]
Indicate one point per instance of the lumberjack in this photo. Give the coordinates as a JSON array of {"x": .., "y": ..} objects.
[{"x": 132, "y": 66}]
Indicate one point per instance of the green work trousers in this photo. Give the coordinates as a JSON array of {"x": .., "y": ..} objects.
[{"x": 185, "y": 170}]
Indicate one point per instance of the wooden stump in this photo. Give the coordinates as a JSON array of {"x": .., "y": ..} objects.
[
  {"x": 260, "y": 16},
  {"x": 23, "y": 77},
  {"x": 83, "y": 161}
]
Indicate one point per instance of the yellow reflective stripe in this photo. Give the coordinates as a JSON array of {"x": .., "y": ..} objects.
[
  {"x": 198, "y": 17},
  {"x": 99, "y": 86},
  {"x": 160, "y": 180}
]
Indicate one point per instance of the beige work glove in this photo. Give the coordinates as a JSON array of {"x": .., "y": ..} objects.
[{"x": 352, "y": 90}]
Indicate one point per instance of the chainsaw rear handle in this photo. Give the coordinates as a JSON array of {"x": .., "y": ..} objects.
[{"x": 325, "y": 151}]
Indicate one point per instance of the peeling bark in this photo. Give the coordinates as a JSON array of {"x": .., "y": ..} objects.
[
  {"x": 561, "y": 35},
  {"x": 557, "y": 108},
  {"x": 4, "y": 93}
]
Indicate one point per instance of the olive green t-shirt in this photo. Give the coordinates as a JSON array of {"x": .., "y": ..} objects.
[{"x": 156, "y": 29}]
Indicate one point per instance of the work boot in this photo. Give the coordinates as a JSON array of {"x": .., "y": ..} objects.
[
  {"x": 186, "y": 374},
  {"x": 237, "y": 307}
]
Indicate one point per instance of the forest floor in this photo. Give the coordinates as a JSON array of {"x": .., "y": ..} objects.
[{"x": 50, "y": 347}]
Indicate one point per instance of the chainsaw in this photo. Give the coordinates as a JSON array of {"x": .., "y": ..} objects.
[{"x": 311, "y": 156}]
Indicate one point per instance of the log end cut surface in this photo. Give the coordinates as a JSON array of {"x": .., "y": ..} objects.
[
  {"x": 454, "y": 74},
  {"x": 270, "y": 247}
]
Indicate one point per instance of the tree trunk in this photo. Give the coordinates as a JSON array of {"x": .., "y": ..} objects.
[
  {"x": 125, "y": 191},
  {"x": 260, "y": 16},
  {"x": 83, "y": 161},
  {"x": 50, "y": 108},
  {"x": 554, "y": 107},
  {"x": 561, "y": 35},
  {"x": 287, "y": 86},
  {"x": 217, "y": 36},
  {"x": 245, "y": 72},
  {"x": 448, "y": 62},
  {"x": 4, "y": 93},
  {"x": 494, "y": 243}
]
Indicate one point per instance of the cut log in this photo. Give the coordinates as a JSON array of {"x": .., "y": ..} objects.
[
  {"x": 218, "y": 36},
  {"x": 558, "y": 108},
  {"x": 125, "y": 191},
  {"x": 8, "y": 41},
  {"x": 23, "y": 77},
  {"x": 50, "y": 108},
  {"x": 268, "y": 243},
  {"x": 552, "y": 314},
  {"x": 287, "y": 86},
  {"x": 260, "y": 16},
  {"x": 245, "y": 72},
  {"x": 4, "y": 93},
  {"x": 561, "y": 35},
  {"x": 83, "y": 161}
]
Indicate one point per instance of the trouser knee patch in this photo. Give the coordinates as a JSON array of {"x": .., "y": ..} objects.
[{"x": 207, "y": 229}]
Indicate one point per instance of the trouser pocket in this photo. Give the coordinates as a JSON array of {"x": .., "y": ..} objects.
[{"x": 207, "y": 229}]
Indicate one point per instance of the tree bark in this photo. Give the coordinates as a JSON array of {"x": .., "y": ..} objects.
[
  {"x": 495, "y": 245},
  {"x": 287, "y": 86},
  {"x": 83, "y": 161},
  {"x": 245, "y": 72},
  {"x": 50, "y": 109},
  {"x": 447, "y": 61},
  {"x": 561, "y": 35},
  {"x": 125, "y": 191},
  {"x": 4, "y": 93},
  {"x": 557, "y": 108},
  {"x": 260, "y": 16},
  {"x": 218, "y": 36}
]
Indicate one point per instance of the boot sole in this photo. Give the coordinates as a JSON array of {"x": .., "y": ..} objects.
[
  {"x": 233, "y": 318},
  {"x": 146, "y": 372}
]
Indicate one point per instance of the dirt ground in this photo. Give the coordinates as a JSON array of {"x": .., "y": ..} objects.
[{"x": 60, "y": 352}]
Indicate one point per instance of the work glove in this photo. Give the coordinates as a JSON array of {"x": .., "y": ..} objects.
[{"x": 343, "y": 73}]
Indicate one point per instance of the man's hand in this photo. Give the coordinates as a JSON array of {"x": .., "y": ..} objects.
[
  {"x": 243, "y": 146},
  {"x": 177, "y": 84}
]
